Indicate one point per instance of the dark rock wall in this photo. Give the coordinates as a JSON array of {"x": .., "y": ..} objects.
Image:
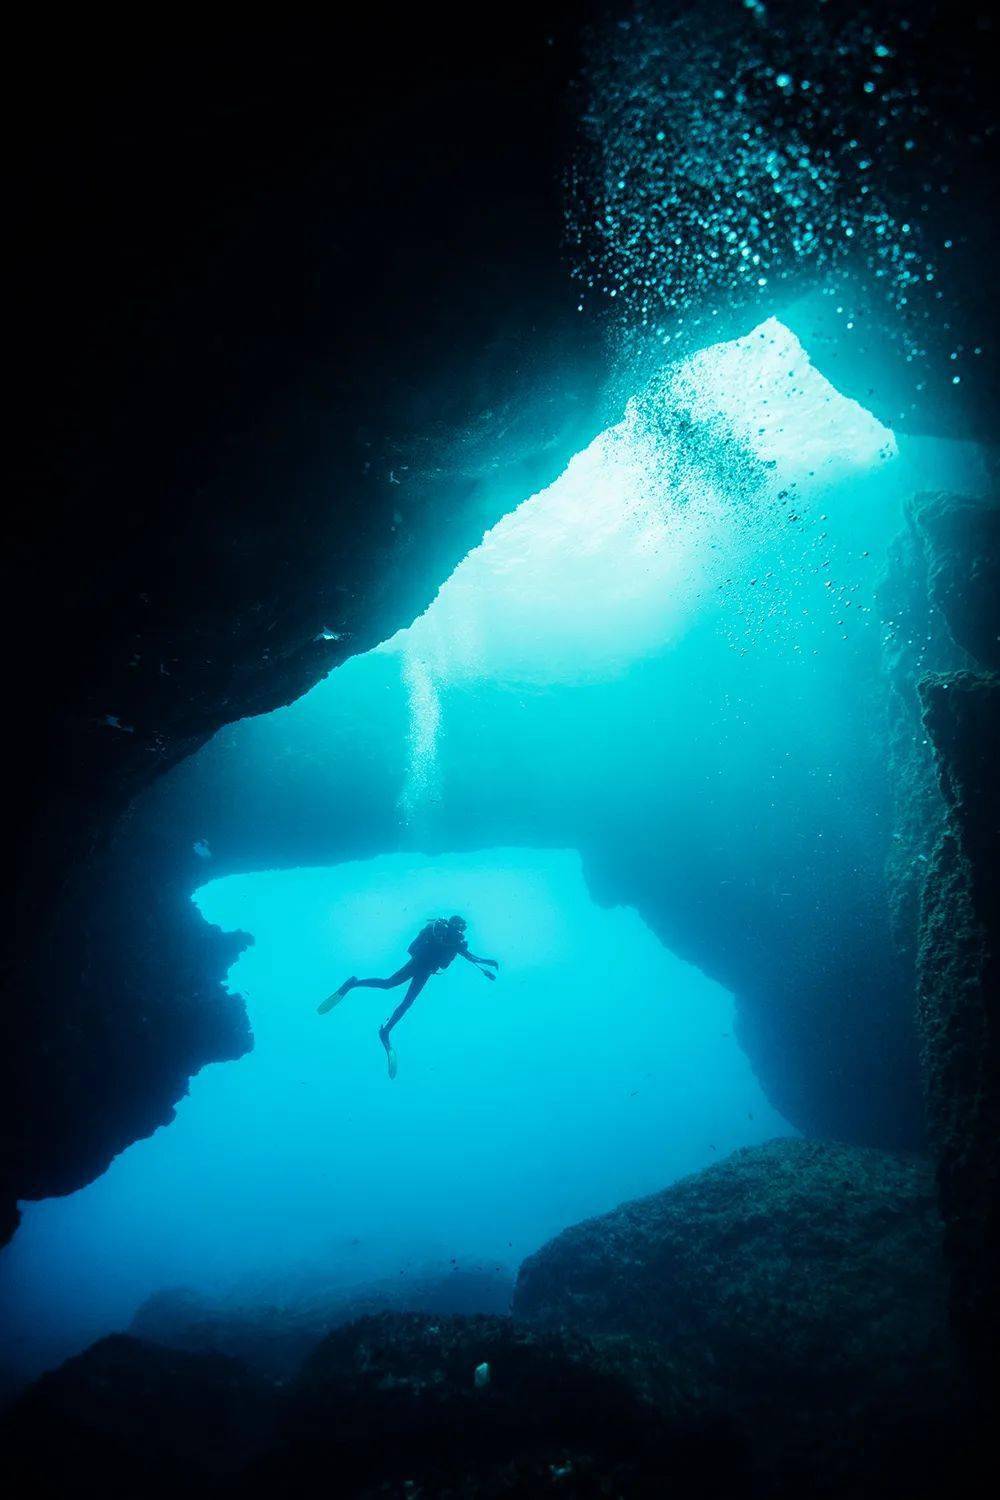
[
  {"x": 294, "y": 321},
  {"x": 941, "y": 603},
  {"x": 916, "y": 640},
  {"x": 963, "y": 540},
  {"x": 130, "y": 1417},
  {"x": 959, "y": 993},
  {"x": 122, "y": 1005}
]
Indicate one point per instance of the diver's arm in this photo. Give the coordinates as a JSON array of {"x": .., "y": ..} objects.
[{"x": 474, "y": 960}]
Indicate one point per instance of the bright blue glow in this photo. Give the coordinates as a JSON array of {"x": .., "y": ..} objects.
[
  {"x": 737, "y": 488},
  {"x": 618, "y": 556},
  {"x": 596, "y": 1068},
  {"x": 740, "y": 509}
]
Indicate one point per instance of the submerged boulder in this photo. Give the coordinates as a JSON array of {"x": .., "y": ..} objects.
[
  {"x": 798, "y": 1286},
  {"x": 411, "y": 1403},
  {"x": 795, "y": 1257},
  {"x": 137, "y": 1419}
]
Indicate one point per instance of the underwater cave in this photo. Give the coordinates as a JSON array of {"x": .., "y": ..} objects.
[{"x": 592, "y": 532}]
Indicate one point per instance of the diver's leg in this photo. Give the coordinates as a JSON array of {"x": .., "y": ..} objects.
[
  {"x": 400, "y": 976},
  {"x": 416, "y": 985}
]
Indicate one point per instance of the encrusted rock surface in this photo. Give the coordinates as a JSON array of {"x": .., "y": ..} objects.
[
  {"x": 770, "y": 1257},
  {"x": 915, "y": 641},
  {"x": 798, "y": 1286},
  {"x": 959, "y": 998},
  {"x": 942, "y": 603}
]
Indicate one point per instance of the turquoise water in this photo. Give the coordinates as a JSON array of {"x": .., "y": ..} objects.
[
  {"x": 670, "y": 650},
  {"x": 596, "y": 1067}
]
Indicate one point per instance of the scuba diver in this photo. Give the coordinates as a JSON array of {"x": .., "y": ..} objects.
[{"x": 433, "y": 949}]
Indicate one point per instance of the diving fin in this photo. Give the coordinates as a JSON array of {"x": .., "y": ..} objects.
[
  {"x": 390, "y": 1051},
  {"x": 335, "y": 998}
]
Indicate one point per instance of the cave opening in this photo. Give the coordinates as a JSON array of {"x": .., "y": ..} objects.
[
  {"x": 632, "y": 740},
  {"x": 545, "y": 472},
  {"x": 603, "y": 1067}
]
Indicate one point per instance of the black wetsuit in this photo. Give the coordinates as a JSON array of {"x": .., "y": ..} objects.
[{"x": 432, "y": 950}]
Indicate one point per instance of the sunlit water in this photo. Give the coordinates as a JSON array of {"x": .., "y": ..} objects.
[
  {"x": 596, "y": 1067},
  {"x": 742, "y": 503}
]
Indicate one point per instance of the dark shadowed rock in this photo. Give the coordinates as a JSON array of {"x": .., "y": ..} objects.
[
  {"x": 387, "y": 1405},
  {"x": 941, "y": 602},
  {"x": 394, "y": 1401},
  {"x": 293, "y": 328},
  {"x": 963, "y": 538},
  {"x": 916, "y": 641},
  {"x": 959, "y": 995},
  {"x": 128, "y": 1418},
  {"x": 392, "y": 1405},
  {"x": 798, "y": 1285}
]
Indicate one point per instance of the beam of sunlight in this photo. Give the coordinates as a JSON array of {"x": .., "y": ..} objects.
[
  {"x": 721, "y": 475},
  {"x": 613, "y": 560}
]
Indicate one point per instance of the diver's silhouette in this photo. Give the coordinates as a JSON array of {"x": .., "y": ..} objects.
[{"x": 432, "y": 950}]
